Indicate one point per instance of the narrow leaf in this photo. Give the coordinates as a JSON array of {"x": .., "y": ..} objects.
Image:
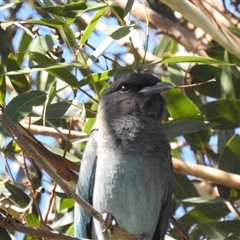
[
  {"x": 117, "y": 32},
  {"x": 227, "y": 88},
  {"x": 175, "y": 129},
  {"x": 19, "y": 82},
  {"x": 181, "y": 108},
  {"x": 91, "y": 26},
  {"x": 230, "y": 162},
  {"x": 2, "y": 85},
  {"x": 224, "y": 112},
  {"x": 20, "y": 106},
  {"x": 74, "y": 9}
]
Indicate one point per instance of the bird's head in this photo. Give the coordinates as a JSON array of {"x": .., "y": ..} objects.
[{"x": 137, "y": 94}]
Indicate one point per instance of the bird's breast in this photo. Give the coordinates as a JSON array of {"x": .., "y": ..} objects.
[{"x": 130, "y": 186}]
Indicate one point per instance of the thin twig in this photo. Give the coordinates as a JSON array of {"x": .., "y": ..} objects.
[
  {"x": 174, "y": 222},
  {"x": 50, "y": 202},
  {"x": 30, "y": 185},
  {"x": 196, "y": 84},
  {"x": 147, "y": 32}
]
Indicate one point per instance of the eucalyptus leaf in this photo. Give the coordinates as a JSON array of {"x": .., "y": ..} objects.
[
  {"x": 117, "y": 32},
  {"x": 73, "y": 10},
  {"x": 179, "y": 128},
  {"x": 19, "y": 82},
  {"x": 224, "y": 112},
  {"x": 230, "y": 162},
  {"x": 20, "y": 106},
  {"x": 181, "y": 108}
]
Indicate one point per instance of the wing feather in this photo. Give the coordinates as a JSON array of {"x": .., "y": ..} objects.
[{"x": 85, "y": 187}]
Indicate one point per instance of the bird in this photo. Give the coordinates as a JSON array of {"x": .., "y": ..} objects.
[{"x": 126, "y": 169}]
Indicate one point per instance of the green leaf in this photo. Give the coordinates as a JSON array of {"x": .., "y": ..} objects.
[
  {"x": 13, "y": 147},
  {"x": 227, "y": 88},
  {"x": 166, "y": 46},
  {"x": 193, "y": 59},
  {"x": 222, "y": 229},
  {"x": 57, "y": 70},
  {"x": 178, "y": 128},
  {"x": 181, "y": 108},
  {"x": 230, "y": 162},
  {"x": 66, "y": 203},
  {"x": 60, "y": 110},
  {"x": 223, "y": 137},
  {"x": 228, "y": 226},
  {"x": 74, "y": 9},
  {"x": 203, "y": 73},
  {"x": 49, "y": 22},
  {"x": 52, "y": 92},
  {"x": 20, "y": 106},
  {"x": 2, "y": 85},
  {"x": 19, "y": 197},
  {"x": 88, "y": 126},
  {"x": 61, "y": 152},
  {"x": 68, "y": 36},
  {"x": 43, "y": 43},
  {"x": 197, "y": 200},
  {"x": 91, "y": 26},
  {"x": 224, "y": 112},
  {"x": 32, "y": 220},
  {"x": 19, "y": 82},
  {"x": 70, "y": 230},
  {"x": 183, "y": 188},
  {"x": 204, "y": 213},
  {"x": 23, "y": 47},
  {"x": 117, "y": 32},
  {"x": 212, "y": 232},
  {"x": 128, "y": 8}
]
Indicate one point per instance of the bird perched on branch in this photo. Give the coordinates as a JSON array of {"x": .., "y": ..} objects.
[{"x": 126, "y": 169}]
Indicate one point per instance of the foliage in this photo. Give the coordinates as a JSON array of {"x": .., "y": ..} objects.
[{"x": 55, "y": 65}]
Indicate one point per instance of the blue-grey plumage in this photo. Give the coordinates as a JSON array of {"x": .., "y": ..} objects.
[{"x": 126, "y": 169}]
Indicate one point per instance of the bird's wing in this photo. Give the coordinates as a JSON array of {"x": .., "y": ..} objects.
[
  {"x": 163, "y": 220},
  {"x": 85, "y": 187}
]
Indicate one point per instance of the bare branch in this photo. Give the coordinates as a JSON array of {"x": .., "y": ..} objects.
[
  {"x": 11, "y": 223},
  {"x": 49, "y": 131},
  {"x": 207, "y": 173}
]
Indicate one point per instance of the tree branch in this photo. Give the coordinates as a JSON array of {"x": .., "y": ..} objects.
[
  {"x": 207, "y": 173},
  {"x": 11, "y": 223},
  {"x": 49, "y": 131}
]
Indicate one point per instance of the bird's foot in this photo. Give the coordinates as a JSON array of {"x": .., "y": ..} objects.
[
  {"x": 143, "y": 237},
  {"x": 108, "y": 224}
]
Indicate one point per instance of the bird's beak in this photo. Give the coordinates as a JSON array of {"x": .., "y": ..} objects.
[{"x": 160, "y": 87}]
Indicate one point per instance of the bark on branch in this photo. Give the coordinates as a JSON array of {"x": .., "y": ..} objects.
[{"x": 211, "y": 174}]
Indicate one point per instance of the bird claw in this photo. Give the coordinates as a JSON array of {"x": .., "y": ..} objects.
[
  {"x": 108, "y": 224},
  {"x": 143, "y": 237}
]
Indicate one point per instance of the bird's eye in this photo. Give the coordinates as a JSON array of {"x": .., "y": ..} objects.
[{"x": 124, "y": 88}]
